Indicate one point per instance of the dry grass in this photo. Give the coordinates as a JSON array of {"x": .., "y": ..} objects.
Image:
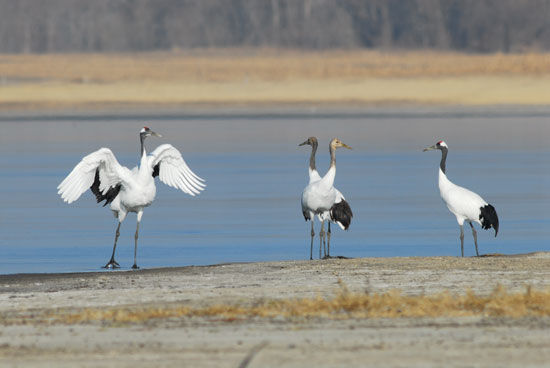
[
  {"x": 447, "y": 91},
  {"x": 271, "y": 76},
  {"x": 267, "y": 65},
  {"x": 344, "y": 305}
]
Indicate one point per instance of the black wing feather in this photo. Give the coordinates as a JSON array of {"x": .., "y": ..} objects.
[
  {"x": 156, "y": 170},
  {"x": 341, "y": 212},
  {"x": 107, "y": 197}
]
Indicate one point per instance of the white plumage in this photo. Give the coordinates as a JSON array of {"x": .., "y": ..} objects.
[
  {"x": 174, "y": 170},
  {"x": 81, "y": 178},
  {"x": 129, "y": 190},
  {"x": 463, "y": 203},
  {"x": 466, "y": 205},
  {"x": 319, "y": 197}
]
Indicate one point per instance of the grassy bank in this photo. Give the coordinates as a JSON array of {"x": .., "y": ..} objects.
[
  {"x": 248, "y": 77},
  {"x": 344, "y": 305}
]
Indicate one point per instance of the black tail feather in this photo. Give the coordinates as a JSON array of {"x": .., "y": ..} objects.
[
  {"x": 341, "y": 213},
  {"x": 489, "y": 218},
  {"x": 107, "y": 197}
]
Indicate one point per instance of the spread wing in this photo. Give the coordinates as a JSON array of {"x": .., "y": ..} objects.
[
  {"x": 100, "y": 172},
  {"x": 168, "y": 164}
]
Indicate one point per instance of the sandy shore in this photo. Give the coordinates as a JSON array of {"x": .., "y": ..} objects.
[{"x": 27, "y": 338}]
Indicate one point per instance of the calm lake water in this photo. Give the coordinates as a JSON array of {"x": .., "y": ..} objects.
[{"x": 255, "y": 174}]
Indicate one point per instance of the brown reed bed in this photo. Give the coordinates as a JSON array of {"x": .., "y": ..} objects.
[
  {"x": 270, "y": 77},
  {"x": 267, "y": 65}
]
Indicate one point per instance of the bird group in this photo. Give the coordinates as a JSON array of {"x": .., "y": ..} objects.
[
  {"x": 132, "y": 190},
  {"x": 321, "y": 199}
]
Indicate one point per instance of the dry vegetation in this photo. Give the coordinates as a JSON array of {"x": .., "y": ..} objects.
[
  {"x": 266, "y": 65},
  {"x": 345, "y": 305},
  {"x": 270, "y": 76}
]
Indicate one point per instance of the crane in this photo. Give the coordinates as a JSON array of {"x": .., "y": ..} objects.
[
  {"x": 129, "y": 190},
  {"x": 321, "y": 199},
  {"x": 313, "y": 177},
  {"x": 463, "y": 203}
]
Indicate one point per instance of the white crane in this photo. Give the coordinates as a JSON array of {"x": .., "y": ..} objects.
[
  {"x": 463, "y": 203},
  {"x": 129, "y": 190},
  {"x": 321, "y": 199}
]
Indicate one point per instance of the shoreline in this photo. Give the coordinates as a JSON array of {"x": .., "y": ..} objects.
[
  {"x": 155, "y": 270},
  {"x": 78, "y": 319},
  {"x": 231, "y": 282}
]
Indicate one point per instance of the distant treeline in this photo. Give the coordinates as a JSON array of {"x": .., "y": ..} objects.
[{"x": 138, "y": 25}]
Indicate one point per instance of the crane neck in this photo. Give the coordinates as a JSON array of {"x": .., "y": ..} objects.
[
  {"x": 328, "y": 180},
  {"x": 332, "y": 156},
  {"x": 443, "y": 182},
  {"x": 312, "y": 157},
  {"x": 444, "y": 151},
  {"x": 142, "y": 141},
  {"x": 143, "y": 167}
]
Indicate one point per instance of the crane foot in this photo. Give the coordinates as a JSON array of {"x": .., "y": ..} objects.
[
  {"x": 112, "y": 264},
  {"x": 135, "y": 267}
]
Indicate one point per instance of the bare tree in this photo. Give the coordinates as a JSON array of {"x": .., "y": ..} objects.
[{"x": 124, "y": 25}]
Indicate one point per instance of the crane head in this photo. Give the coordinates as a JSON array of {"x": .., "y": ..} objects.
[
  {"x": 439, "y": 145},
  {"x": 146, "y": 132},
  {"x": 312, "y": 141},
  {"x": 336, "y": 143}
]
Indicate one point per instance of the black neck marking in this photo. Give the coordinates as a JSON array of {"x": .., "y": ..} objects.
[
  {"x": 142, "y": 140},
  {"x": 444, "y": 151}
]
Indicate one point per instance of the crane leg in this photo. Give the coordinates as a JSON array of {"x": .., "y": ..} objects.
[
  {"x": 321, "y": 238},
  {"x": 325, "y": 244},
  {"x": 112, "y": 263},
  {"x": 135, "y": 266},
  {"x": 328, "y": 241},
  {"x": 474, "y": 232},
  {"x": 311, "y": 247},
  {"x": 462, "y": 240}
]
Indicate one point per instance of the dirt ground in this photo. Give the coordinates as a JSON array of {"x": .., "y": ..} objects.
[{"x": 27, "y": 339}]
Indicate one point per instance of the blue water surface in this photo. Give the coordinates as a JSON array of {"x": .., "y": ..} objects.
[{"x": 250, "y": 210}]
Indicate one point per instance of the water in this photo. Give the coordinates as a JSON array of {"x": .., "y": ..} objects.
[{"x": 255, "y": 173}]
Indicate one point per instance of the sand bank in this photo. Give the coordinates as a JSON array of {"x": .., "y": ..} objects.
[{"x": 29, "y": 338}]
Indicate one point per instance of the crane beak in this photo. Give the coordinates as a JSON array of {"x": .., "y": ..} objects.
[
  {"x": 346, "y": 146},
  {"x": 303, "y": 144},
  {"x": 429, "y": 148},
  {"x": 156, "y": 134}
]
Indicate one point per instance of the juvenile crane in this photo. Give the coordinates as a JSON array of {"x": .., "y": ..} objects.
[
  {"x": 321, "y": 199},
  {"x": 129, "y": 190},
  {"x": 463, "y": 203},
  {"x": 313, "y": 177}
]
